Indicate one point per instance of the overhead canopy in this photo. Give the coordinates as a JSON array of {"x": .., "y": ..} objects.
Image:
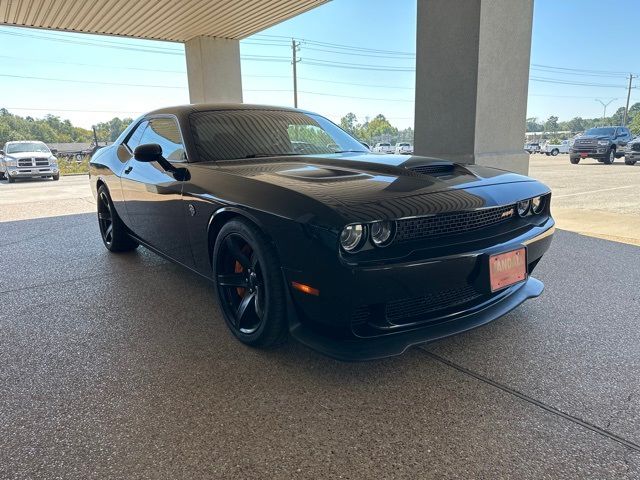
[{"x": 174, "y": 20}]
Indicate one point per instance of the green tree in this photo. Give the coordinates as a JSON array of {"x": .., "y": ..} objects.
[
  {"x": 634, "y": 126},
  {"x": 349, "y": 123},
  {"x": 551, "y": 125},
  {"x": 533, "y": 125},
  {"x": 576, "y": 124},
  {"x": 616, "y": 118},
  {"x": 379, "y": 129}
]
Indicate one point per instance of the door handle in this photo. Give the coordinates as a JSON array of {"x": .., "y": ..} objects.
[{"x": 128, "y": 170}]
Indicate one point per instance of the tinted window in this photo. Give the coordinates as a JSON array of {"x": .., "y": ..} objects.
[
  {"x": 134, "y": 139},
  {"x": 237, "y": 134},
  {"x": 165, "y": 132},
  {"x": 600, "y": 131}
]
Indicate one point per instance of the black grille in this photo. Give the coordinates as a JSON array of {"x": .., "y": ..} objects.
[
  {"x": 360, "y": 315},
  {"x": 42, "y": 162},
  {"x": 420, "y": 306},
  {"x": 432, "y": 169},
  {"x": 452, "y": 223}
]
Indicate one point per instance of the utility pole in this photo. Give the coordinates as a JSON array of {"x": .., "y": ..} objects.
[
  {"x": 626, "y": 109},
  {"x": 95, "y": 136},
  {"x": 294, "y": 49},
  {"x": 605, "y": 105}
]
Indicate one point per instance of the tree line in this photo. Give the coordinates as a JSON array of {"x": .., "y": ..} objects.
[
  {"x": 53, "y": 129},
  {"x": 379, "y": 129},
  {"x": 579, "y": 124}
]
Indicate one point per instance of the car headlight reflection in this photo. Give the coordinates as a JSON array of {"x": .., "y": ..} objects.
[
  {"x": 537, "y": 205},
  {"x": 523, "y": 207},
  {"x": 352, "y": 237},
  {"x": 382, "y": 233}
]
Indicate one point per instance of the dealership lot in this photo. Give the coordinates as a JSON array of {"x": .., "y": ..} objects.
[{"x": 121, "y": 366}]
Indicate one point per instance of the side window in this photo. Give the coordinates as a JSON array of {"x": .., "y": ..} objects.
[
  {"x": 125, "y": 150},
  {"x": 134, "y": 139},
  {"x": 165, "y": 132}
]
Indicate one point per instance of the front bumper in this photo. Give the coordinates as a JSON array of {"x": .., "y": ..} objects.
[
  {"x": 328, "y": 325},
  {"x": 632, "y": 155},
  {"x": 589, "y": 152},
  {"x": 31, "y": 172},
  {"x": 359, "y": 349}
]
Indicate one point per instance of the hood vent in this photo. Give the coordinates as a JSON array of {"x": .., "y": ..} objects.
[{"x": 438, "y": 169}]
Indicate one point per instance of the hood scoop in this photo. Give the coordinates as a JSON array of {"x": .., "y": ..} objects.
[{"x": 434, "y": 169}]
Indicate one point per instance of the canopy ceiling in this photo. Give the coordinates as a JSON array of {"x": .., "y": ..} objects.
[{"x": 174, "y": 20}]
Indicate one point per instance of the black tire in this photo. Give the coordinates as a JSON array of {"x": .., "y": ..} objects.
[
  {"x": 249, "y": 285},
  {"x": 555, "y": 152},
  {"x": 2, "y": 176},
  {"x": 574, "y": 160},
  {"x": 112, "y": 230},
  {"x": 56, "y": 176},
  {"x": 11, "y": 179},
  {"x": 611, "y": 156},
  {"x": 629, "y": 162}
]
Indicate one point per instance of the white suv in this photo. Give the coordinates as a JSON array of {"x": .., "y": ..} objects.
[{"x": 27, "y": 159}]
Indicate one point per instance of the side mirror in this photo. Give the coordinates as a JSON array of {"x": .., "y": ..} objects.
[
  {"x": 54, "y": 151},
  {"x": 148, "y": 152},
  {"x": 1, "y": 152}
]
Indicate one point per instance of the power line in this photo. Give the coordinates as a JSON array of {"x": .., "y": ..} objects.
[
  {"x": 70, "y": 110},
  {"x": 51, "y": 79},
  {"x": 43, "y": 60}
]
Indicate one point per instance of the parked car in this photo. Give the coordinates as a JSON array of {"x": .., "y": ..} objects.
[
  {"x": 332, "y": 248},
  {"x": 27, "y": 159},
  {"x": 632, "y": 151},
  {"x": 383, "y": 148},
  {"x": 532, "y": 147},
  {"x": 404, "y": 148},
  {"x": 605, "y": 144},
  {"x": 555, "y": 148}
]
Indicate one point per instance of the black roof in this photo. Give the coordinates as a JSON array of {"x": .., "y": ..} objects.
[{"x": 181, "y": 110}]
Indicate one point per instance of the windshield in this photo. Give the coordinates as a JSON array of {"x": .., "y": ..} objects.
[
  {"x": 600, "y": 131},
  {"x": 27, "y": 147},
  {"x": 237, "y": 134}
]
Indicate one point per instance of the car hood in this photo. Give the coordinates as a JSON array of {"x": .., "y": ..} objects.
[
  {"x": 28, "y": 155},
  {"x": 593, "y": 137},
  {"x": 364, "y": 186}
]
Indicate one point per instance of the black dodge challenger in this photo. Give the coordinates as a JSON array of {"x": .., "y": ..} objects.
[{"x": 306, "y": 233}]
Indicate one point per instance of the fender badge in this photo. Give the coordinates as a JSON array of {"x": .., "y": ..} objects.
[{"x": 192, "y": 210}]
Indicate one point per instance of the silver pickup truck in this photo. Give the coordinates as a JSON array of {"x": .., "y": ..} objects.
[{"x": 27, "y": 159}]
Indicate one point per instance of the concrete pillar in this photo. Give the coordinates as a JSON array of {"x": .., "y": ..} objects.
[
  {"x": 472, "y": 76},
  {"x": 213, "y": 70}
]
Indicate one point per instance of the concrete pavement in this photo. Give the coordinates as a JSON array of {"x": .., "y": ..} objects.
[
  {"x": 120, "y": 366},
  {"x": 593, "y": 198}
]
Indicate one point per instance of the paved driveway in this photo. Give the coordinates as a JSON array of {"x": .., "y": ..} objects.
[{"x": 120, "y": 366}]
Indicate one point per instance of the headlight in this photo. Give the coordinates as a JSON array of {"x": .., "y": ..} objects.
[
  {"x": 603, "y": 143},
  {"x": 537, "y": 205},
  {"x": 523, "y": 207},
  {"x": 351, "y": 237},
  {"x": 11, "y": 162},
  {"x": 382, "y": 233}
]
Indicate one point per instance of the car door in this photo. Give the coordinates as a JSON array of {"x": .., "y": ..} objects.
[{"x": 153, "y": 196}]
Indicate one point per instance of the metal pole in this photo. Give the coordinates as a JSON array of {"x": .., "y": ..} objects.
[
  {"x": 294, "y": 48},
  {"x": 626, "y": 108}
]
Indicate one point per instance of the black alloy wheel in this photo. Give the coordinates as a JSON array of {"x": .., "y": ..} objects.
[
  {"x": 249, "y": 286},
  {"x": 574, "y": 160},
  {"x": 112, "y": 230}
]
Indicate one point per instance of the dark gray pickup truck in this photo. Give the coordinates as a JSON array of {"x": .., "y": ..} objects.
[{"x": 605, "y": 144}]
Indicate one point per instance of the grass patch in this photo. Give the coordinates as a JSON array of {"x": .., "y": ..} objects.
[{"x": 73, "y": 166}]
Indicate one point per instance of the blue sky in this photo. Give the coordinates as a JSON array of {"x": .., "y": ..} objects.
[{"x": 600, "y": 45}]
